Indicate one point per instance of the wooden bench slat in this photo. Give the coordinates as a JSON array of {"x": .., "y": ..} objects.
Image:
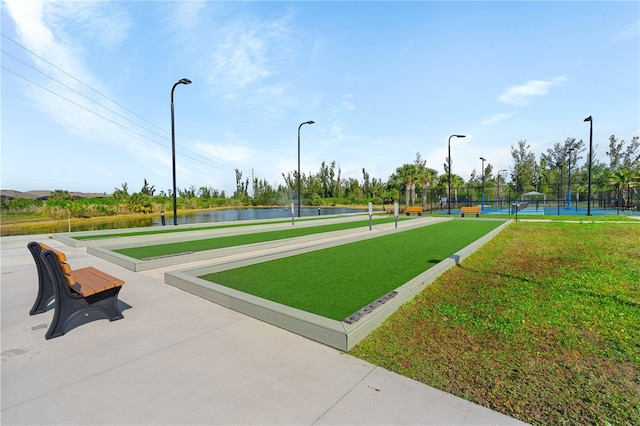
[
  {"x": 90, "y": 280},
  {"x": 413, "y": 209},
  {"x": 60, "y": 255},
  {"x": 66, "y": 268},
  {"x": 471, "y": 210}
]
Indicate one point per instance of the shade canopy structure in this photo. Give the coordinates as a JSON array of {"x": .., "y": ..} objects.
[{"x": 529, "y": 196}]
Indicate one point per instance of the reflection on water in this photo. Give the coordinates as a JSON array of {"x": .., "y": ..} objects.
[{"x": 63, "y": 226}]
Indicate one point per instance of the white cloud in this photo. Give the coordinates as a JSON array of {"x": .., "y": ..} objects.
[
  {"x": 495, "y": 118},
  {"x": 271, "y": 101},
  {"x": 184, "y": 15},
  {"x": 28, "y": 18},
  {"x": 524, "y": 94},
  {"x": 347, "y": 104},
  {"x": 104, "y": 22},
  {"x": 248, "y": 55},
  {"x": 630, "y": 32},
  {"x": 233, "y": 151}
]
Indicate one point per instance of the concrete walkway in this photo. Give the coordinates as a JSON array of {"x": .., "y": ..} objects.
[{"x": 178, "y": 359}]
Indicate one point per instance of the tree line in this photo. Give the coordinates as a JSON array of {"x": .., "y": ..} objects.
[{"x": 411, "y": 184}]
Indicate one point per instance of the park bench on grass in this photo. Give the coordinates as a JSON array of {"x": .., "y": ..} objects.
[
  {"x": 413, "y": 209},
  {"x": 470, "y": 210},
  {"x": 77, "y": 293}
]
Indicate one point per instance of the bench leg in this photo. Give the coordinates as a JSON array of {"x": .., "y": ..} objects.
[
  {"x": 68, "y": 309},
  {"x": 45, "y": 285},
  {"x": 43, "y": 299}
]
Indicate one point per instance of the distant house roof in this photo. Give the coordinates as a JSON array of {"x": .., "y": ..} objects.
[{"x": 10, "y": 194}]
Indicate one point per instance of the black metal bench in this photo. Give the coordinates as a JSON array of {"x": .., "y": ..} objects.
[{"x": 77, "y": 293}]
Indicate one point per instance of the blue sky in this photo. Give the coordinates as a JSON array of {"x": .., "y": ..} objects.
[{"x": 86, "y": 87}]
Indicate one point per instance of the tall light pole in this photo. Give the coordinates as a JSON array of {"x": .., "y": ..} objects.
[
  {"x": 482, "y": 171},
  {"x": 306, "y": 122},
  {"x": 173, "y": 150},
  {"x": 569, "y": 179},
  {"x": 499, "y": 201},
  {"x": 449, "y": 170},
  {"x": 590, "y": 120}
]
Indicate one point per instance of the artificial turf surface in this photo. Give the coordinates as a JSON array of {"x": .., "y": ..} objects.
[
  {"x": 157, "y": 250},
  {"x": 338, "y": 281}
]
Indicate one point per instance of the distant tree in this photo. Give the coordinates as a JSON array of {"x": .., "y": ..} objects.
[
  {"x": 242, "y": 188},
  {"x": 366, "y": 182},
  {"x": 121, "y": 194},
  {"x": 263, "y": 193},
  {"x": 59, "y": 195},
  {"x": 524, "y": 166},
  {"x": 205, "y": 192},
  {"x": 353, "y": 190},
  {"x": 327, "y": 179},
  {"x": 456, "y": 184},
  {"x": 148, "y": 190},
  {"x": 405, "y": 177},
  {"x": 427, "y": 177},
  {"x": 555, "y": 163},
  {"x": 187, "y": 193},
  {"x": 624, "y": 157},
  {"x": 139, "y": 202}
]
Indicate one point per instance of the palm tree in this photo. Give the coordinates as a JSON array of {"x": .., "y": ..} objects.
[
  {"x": 622, "y": 179},
  {"x": 579, "y": 187},
  {"x": 426, "y": 176},
  {"x": 406, "y": 175},
  {"x": 456, "y": 183}
]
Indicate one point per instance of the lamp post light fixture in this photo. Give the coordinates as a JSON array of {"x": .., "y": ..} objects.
[
  {"x": 173, "y": 149},
  {"x": 569, "y": 181},
  {"x": 590, "y": 120},
  {"x": 482, "y": 171},
  {"x": 449, "y": 170},
  {"x": 302, "y": 124},
  {"x": 500, "y": 201}
]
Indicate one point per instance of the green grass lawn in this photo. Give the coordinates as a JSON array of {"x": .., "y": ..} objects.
[
  {"x": 144, "y": 252},
  {"x": 338, "y": 281},
  {"x": 542, "y": 324}
]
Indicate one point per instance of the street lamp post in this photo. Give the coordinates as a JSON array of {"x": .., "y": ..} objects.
[
  {"x": 173, "y": 150},
  {"x": 590, "y": 120},
  {"x": 482, "y": 171},
  {"x": 560, "y": 167},
  {"x": 500, "y": 201},
  {"x": 569, "y": 181},
  {"x": 306, "y": 122},
  {"x": 449, "y": 170}
]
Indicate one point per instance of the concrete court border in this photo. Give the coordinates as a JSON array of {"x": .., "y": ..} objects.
[
  {"x": 337, "y": 334},
  {"x": 320, "y": 240}
]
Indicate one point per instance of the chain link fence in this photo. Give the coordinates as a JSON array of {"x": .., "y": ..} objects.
[{"x": 562, "y": 198}]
